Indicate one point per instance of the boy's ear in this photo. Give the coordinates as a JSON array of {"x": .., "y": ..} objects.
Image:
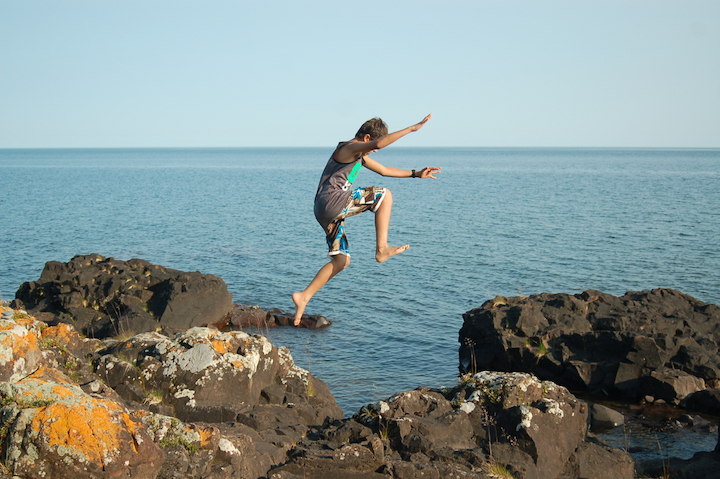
[{"x": 367, "y": 138}]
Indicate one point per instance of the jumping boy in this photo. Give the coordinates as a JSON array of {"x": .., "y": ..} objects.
[{"x": 335, "y": 201}]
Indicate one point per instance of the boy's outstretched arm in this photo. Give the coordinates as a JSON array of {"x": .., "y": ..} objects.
[
  {"x": 380, "y": 169},
  {"x": 351, "y": 150}
]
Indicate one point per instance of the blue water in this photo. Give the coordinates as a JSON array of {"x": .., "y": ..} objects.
[{"x": 497, "y": 221}]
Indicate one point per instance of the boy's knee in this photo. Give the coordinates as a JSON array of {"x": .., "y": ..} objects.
[{"x": 387, "y": 197}]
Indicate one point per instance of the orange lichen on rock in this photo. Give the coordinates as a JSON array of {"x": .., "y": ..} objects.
[
  {"x": 48, "y": 375},
  {"x": 91, "y": 429},
  {"x": 221, "y": 346},
  {"x": 19, "y": 351},
  {"x": 208, "y": 435},
  {"x": 47, "y": 384},
  {"x": 63, "y": 333}
]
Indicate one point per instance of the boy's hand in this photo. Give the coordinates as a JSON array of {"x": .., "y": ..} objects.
[
  {"x": 430, "y": 171},
  {"x": 417, "y": 126}
]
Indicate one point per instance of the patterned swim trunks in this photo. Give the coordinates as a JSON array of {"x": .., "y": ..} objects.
[{"x": 361, "y": 199}]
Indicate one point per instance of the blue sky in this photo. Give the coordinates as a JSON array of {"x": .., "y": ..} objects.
[{"x": 288, "y": 73}]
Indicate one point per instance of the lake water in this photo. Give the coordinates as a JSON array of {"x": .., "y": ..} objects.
[{"x": 495, "y": 222}]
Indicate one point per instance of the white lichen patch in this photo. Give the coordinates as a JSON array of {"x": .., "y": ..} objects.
[
  {"x": 161, "y": 427},
  {"x": 526, "y": 417},
  {"x": 196, "y": 359},
  {"x": 228, "y": 447},
  {"x": 553, "y": 407},
  {"x": 498, "y": 380},
  {"x": 186, "y": 393},
  {"x": 381, "y": 407},
  {"x": 467, "y": 407}
]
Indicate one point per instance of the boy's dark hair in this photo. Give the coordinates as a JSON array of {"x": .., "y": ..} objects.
[{"x": 375, "y": 128}]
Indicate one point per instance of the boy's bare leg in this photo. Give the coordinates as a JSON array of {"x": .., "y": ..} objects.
[
  {"x": 382, "y": 224},
  {"x": 338, "y": 263}
]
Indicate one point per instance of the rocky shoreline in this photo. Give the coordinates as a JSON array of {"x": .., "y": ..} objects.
[{"x": 124, "y": 369}]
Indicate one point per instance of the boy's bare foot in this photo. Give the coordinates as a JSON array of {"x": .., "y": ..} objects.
[
  {"x": 300, "y": 304},
  {"x": 381, "y": 255}
]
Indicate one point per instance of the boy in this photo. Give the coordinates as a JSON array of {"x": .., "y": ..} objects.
[{"x": 335, "y": 201}]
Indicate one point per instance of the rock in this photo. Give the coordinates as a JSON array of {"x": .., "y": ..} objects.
[
  {"x": 218, "y": 404},
  {"x": 706, "y": 401},
  {"x": 283, "y": 318},
  {"x": 598, "y": 461},
  {"x": 55, "y": 429},
  {"x": 671, "y": 386},
  {"x": 603, "y": 417},
  {"x": 19, "y": 351},
  {"x": 537, "y": 428},
  {"x": 245, "y": 316},
  {"x": 104, "y": 297},
  {"x": 211, "y": 376},
  {"x": 703, "y": 465},
  {"x": 598, "y": 343}
]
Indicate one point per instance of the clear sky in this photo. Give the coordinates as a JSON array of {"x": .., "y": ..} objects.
[{"x": 290, "y": 73}]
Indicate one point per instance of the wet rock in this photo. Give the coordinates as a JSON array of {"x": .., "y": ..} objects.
[
  {"x": 603, "y": 417},
  {"x": 283, "y": 318},
  {"x": 249, "y": 317}
]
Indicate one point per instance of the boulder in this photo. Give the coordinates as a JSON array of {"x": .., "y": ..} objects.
[
  {"x": 706, "y": 401},
  {"x": 603, "y": 417},
  {"x": 105, "y": 297},
  {"x": 490, "y": 422},
  {"x": 597, "y": 343},
  {"x": 207, "y": 375},
  {"x": 55, "y": 429},
  {"x": 19, "y": 351},
  {"x": 671, "y": 386}
]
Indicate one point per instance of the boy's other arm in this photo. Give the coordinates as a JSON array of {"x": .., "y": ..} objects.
[
  {"x": 350, "y": 151},
  {"x": 380, "y": 169}
]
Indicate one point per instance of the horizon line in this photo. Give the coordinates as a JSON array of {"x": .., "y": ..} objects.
[{"x": 394, "y": 147}]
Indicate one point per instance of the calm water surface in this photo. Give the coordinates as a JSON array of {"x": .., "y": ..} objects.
[{"x": 497, "y": 221}]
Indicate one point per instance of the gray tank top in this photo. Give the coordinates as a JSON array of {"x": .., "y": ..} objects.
[{"x": 334, "y": 189}]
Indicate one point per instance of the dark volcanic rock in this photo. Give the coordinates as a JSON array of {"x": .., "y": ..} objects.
[
  {"x": 246, "y": 316},
  {"x": 211, "y": 404},
  {"x": 491, "y": 422},
  {"x": 595, "y": 342},
  {"x": 105, "y": 297}
]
